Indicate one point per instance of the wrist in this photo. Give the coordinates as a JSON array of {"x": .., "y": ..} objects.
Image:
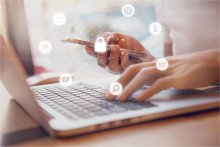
[{"x": 215, "y": 62}]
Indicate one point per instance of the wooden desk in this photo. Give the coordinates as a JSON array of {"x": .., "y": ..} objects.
[{"x": 199, "y": 129}]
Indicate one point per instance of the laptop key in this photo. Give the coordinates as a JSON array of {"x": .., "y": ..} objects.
[{"x": 116, "y": 109}]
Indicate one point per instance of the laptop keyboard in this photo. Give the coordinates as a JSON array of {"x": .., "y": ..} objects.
[{"x": 83, "y": 101}]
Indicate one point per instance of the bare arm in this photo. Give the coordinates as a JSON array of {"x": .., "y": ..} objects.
[
  {"x": 168, "y": 49},
  {"x": 186, "y": 71}
]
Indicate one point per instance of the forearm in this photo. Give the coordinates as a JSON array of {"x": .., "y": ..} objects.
[
  {"x": 168, "y": 50},
  {"x": 211, "y": 57},
  {"x": 216, "y": 61}
]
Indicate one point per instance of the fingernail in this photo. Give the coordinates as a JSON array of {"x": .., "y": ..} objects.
[
  {"x": 120, "y": 97},
  {"x": 122, "y": 52},
  {"x": 109, "y": 96},
  {"x": 140, "y": 99}
]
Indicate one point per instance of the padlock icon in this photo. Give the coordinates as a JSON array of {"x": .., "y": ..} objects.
[{"x": 100, "y": 45}]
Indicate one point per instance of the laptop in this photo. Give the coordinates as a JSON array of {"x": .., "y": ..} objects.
[{"x": 82, "y": 107}]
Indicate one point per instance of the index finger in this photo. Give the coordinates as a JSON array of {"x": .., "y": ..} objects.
[
  {"x": 90, "y": 51},
  {"x": 114, "y": 38},
  {"x": 159, "y": 85},
  {"x": 139, "y": 80},
  {"x": 127, "y": 75}
]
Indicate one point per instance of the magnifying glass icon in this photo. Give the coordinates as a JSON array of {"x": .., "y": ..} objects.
[{"x": 115, "y": 88}]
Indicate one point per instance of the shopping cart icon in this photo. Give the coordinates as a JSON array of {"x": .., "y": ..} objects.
[{"x": 65, "y": 79}]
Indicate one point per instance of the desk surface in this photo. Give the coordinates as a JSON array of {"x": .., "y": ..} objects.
[{"x": 18, "y": 128}]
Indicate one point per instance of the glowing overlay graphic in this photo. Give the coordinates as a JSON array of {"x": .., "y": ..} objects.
[
  {"x": 162, "y": 64},
  {"x": 128, "y": 10},
  {"x": 155, "y": 28},
  {"x": 115, "y": 88},
  {"x": 66, "y": 79},
  {"x": 45, "y": 47}
]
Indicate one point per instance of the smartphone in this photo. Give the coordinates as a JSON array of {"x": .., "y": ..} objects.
[
  {"x": 78, "y": 41},
  {"x": 133, "y": 55}
]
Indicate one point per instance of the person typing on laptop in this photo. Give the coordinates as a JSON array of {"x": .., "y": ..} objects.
[
  {"x": 81, "y": 107},
  {"x": 192, "y": 48}
]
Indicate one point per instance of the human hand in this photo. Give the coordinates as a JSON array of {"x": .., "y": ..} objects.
[
  {"x": 187, "y": 71},
  {"x": 117, "y": 58}
]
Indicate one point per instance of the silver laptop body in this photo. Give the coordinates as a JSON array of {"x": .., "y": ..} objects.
[{"x": 82, "y": 107}]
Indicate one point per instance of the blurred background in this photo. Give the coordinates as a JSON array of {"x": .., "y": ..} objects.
[{"x": 85, "y": 19}]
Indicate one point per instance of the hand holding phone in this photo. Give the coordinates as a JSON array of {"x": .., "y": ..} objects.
[{"x": 122, "y": 51}]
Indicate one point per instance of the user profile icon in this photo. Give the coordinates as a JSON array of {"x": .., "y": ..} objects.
[
  {"x": 45, "y": 47},
  {"x": 155, "y": 28},
  {"x": 128, "y": 10},
  {"x": 66, "y": 79},
  {"x": 59, "y": 19},
  {"x": 115, "y": 88},
  {"x": 162, "y": 64}
]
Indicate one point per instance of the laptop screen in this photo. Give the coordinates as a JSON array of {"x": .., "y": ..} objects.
[{"x": 18, "y": 33}]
